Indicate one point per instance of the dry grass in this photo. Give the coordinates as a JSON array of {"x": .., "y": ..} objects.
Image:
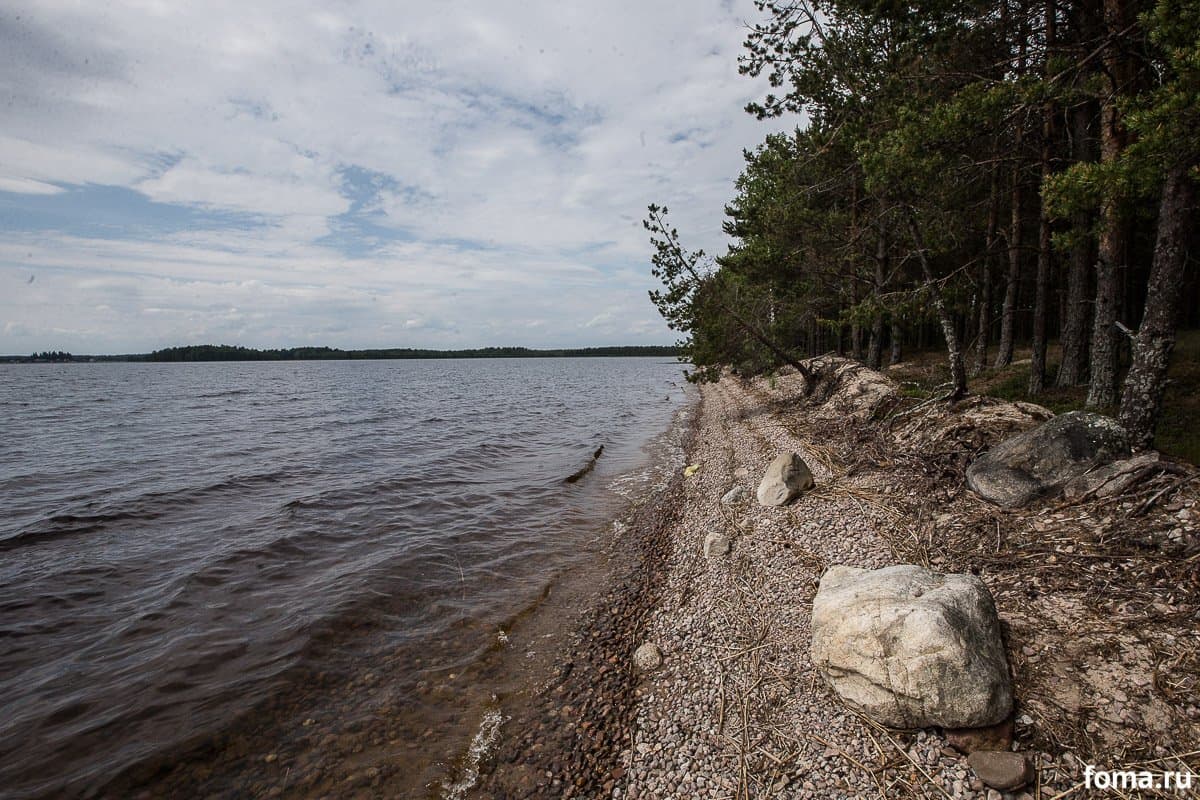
[{"x": 1100, "y": 601}]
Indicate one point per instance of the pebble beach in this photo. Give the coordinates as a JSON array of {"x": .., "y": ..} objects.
[{"x": 723, "y": 588}]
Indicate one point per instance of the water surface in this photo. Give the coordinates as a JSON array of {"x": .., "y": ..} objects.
[{"x": 288, "y": 561}]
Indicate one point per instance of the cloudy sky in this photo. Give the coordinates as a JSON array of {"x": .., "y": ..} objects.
[{"x": 357, "y": 174}]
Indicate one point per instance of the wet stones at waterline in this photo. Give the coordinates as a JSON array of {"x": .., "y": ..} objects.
[
  {"x": 785, "y": 479},
  {"x": 911, "y": 648}
]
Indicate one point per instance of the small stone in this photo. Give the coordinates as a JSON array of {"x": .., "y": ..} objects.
[
  {"x": 648, "y": 657},
  {"x": 1001, "y": 770},
  {"x": 716, "y": 545},
  {"x": 733, "y": 495}
]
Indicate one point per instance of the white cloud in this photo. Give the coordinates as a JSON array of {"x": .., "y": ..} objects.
[
  {"x": 505, "y": 154},
  {"x": 27, "y": 186}
]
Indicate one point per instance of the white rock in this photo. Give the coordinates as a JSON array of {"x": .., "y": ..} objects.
[
  {"x": 784, "y": 480},
  {"x": 911, "y": 648}
]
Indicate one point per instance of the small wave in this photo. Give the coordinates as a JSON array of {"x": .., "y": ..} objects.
[
  {"x": 482, "y": 743},
  {"x": 140, "y": 508},
  {"x": 225, "y": 393}
]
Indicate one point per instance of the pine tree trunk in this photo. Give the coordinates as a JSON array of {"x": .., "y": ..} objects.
[
  {"x": 875, "y": 347},
  {"x": 958, "y": 371},
  {"x": 1102, "y": 386},
  {"x": 897, "y": 345},
  {"x": 1141, "y": 400},
  {"x": 984, "y": 331},
  {"x": 1041, "y": 297},
  {"x": 1008, "y": 313},
  {"x": 1074, "y": 327}
]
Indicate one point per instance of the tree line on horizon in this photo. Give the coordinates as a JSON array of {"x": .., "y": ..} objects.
[
  {"x": 224, "y": 352},
  {"x": 982, "y": 172}
]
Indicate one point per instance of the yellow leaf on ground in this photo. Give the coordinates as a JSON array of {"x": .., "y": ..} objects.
[{"x": 691, "y": 470}]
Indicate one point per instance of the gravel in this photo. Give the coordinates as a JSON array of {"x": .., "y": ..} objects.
[{"x": 736, "y": 709}]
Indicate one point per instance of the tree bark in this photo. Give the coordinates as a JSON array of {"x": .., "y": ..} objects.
[
  {"x": 984, "y": 331},
  {"x": 1008, "y": 313},
  {"x": 958, "y": 371},
  {"x": 1041, "y": 295},
  {"x": 1102, "y": 386},
  {"x": 1141, "y": 400},
  {"x": 875, "y": 346},
  {"x": 1073, "y": 368},
  {"x": 897, "y": 346}
]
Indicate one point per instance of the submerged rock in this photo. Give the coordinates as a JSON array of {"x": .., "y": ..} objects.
[
  {"x": 1041, "y": 461},
  {"x": 911, "y": 648},
  {"x": 785, "y": 478}
]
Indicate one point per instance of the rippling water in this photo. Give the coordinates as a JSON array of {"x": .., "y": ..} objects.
[{"x": 240, "y": 556}]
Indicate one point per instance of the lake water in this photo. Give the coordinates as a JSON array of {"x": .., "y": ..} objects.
[{"x": 211, "y": 572}]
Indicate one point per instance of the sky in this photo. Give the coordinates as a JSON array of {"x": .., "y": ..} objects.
[{"x": 283, "y": 173}]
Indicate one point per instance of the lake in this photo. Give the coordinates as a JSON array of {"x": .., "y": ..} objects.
[{"x": 211, "y": 571}]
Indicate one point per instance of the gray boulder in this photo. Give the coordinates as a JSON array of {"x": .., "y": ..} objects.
[
  {"x": 784, "y": 480},
  {"x": 1040, "y": 461},
  {"x": 1110, "y": 479},
  {"x": 911, "y": 648}
]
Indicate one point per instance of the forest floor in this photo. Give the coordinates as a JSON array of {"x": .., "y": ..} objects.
[
  {"x": 922, "y": 372},
  {"x": 1099, "y": 602}
]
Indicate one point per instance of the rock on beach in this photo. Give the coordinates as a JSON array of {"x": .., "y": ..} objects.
[
  {"x": 911, "y": 648},
  {"x": 1001, "y": 770},
  {"x": 785, "y": 478},
  {"x": 647, "y": 657},
  {"x": 1040, "y": 461}
]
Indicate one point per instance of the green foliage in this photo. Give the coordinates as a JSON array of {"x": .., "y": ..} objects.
[{"x": 965, "y": 118}]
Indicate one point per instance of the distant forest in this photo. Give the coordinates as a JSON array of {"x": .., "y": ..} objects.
[
  {"x": 225, "y": 352},
  {"x": 986, "y": 173}
]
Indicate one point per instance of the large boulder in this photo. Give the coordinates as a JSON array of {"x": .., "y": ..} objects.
[
  {"x": 1042, "y": 460},
  {"x": 784, "y": 480},
  {"x": 1111, "y": 479},
  {"x": 911, "y": 648}
]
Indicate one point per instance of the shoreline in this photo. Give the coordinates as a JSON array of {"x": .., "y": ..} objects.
[
  {"x": 564, "y": 736},
  {"x": 737, "y": 710}
]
